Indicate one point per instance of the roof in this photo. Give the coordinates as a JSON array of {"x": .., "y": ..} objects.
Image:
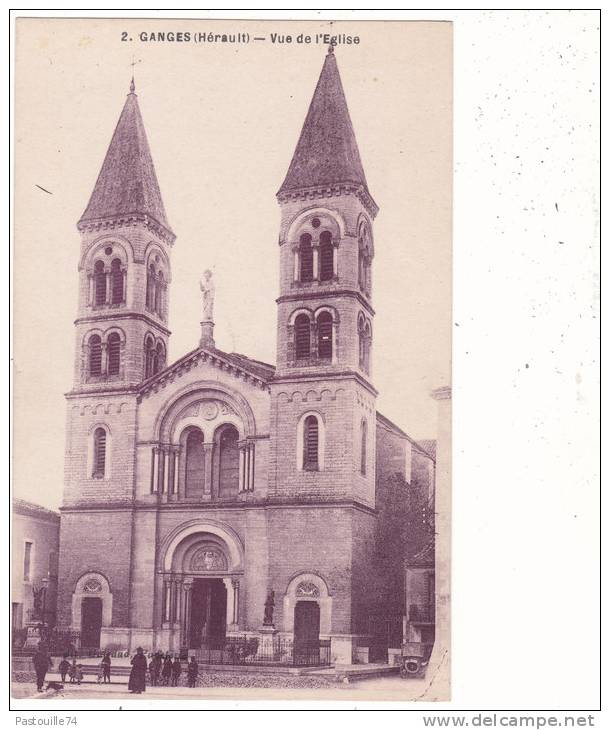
[
  {"x": 127, "y": 183},
  {"x": 258, "y": 371},
  {"x": 429, "y": 446},
  {"x": 21, "y": 507},
  {"x": 326, "y": 152},
  {"x": 391, "y": 426}
]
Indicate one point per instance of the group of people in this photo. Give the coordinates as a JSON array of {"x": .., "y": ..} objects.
[{"x": 163, "y": 671}]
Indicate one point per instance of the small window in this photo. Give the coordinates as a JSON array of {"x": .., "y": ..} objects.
[
  {"x": 160, "y": 359},
  {"x": 95, "y": 355},
  {"x": 116, "y": 277},
  {"x": 99, "y": 276},
  {"x": 306, "y": 254},
  {"x": 27, "y": 559},
  {"x": 302, "y": 337},
  {"x": 159, "y": 294},
  {"x": 326, "y": 256},
  {"x": 99, "y": 453},
  {"x": 325, "y": 335},
  {"x": 150, "y": 287},
  {"x": 363, "y": 434},
  {"x": 310, "y": 444},
  {"x": 114, "y": 354}
]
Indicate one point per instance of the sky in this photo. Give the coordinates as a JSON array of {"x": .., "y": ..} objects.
[{"x": 222, "y": 122}]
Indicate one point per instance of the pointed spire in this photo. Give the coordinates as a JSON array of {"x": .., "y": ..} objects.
[
  {"x": 327, "y": 152},
  {"x": 127, "y": 183},
  {"x": 132, "y": 86}
]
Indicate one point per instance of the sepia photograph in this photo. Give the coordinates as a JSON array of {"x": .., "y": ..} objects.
[{"x": 232, "y": 272}]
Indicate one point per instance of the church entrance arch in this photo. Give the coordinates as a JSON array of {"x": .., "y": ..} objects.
[{"x": 202, "y": 568}]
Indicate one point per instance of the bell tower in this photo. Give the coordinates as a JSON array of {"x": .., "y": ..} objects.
[
  {"x": 124, "y": 268},
  {"x": 324, "y": 398}
]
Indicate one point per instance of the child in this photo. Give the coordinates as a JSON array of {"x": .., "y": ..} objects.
[
  {"x": 64, "y": 667},
  {"x": 100, "y": 672},
  {"x": 79, "y": 673}
]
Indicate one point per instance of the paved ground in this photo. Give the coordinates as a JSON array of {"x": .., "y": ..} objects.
[{"x": 391, "y": 688}]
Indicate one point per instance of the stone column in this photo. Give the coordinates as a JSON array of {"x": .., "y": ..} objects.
[
  {"x": 160, "y": 470},
  {"x": 91, "y": 300},
  {"x": 316, "y": 252},
  {"x": 208, "y": 450},
  {"x": 230, "y": 603},
  {"x": 335, "y": 258},
  {"x": 124, "y": 298},
  {"x": 108, "y": 288},
  {"x": 242, "y": 466},
  {"x": 235, "y": 583},
  {"x": 252, "y": 447},
  {"x": 186, "y": 611},
  {"x": 153, "y": 470}
]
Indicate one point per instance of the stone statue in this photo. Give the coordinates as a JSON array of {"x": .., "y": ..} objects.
[
  {"x": 269, "y": 605},
  {"x": 206, "y": 284}
]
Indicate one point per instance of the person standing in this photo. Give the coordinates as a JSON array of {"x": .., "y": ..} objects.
[
  {"x": 166, "y": 672},
  {"x": 64, "y": 667},
  {"x": 193, "y": 672},
  {"x": 106, "y": 662},
  {"x": 176, "y": 671},
  {"x": 42, "y": 663},
  {"x": 137, "y": 676},
  {"x": 154, "y": 668}
]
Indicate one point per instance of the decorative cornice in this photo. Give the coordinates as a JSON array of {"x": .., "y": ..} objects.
[
  {"x": 307, "y": 378},
  {"x": 313, "y": 502},
  {"x": 332, "y": 190},
  {"x": 106, "y": 315},
  {"x": 125, "y": 221},
  {"x": 194, "y": 359},
  {"x": 328, "y": 294}
]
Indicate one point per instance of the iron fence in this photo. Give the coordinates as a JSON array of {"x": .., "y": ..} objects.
[{"x": 251, "y": 651}]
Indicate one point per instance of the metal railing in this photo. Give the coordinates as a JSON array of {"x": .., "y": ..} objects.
[{"x": 250, "y": 651}]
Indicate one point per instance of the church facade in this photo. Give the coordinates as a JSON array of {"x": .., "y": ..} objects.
[{"x": 197, "y": 492}]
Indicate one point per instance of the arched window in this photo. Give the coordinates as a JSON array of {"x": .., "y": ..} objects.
[
  {"x": 228, "y": 477},
  {"x": 150, "y": 287},
  {"x": 306, "y": 255},
  {"x": 325, "y": 335},
  {"x": 367, "y": 347},
  {"x": 361, "y": 344},
  {"x": 310, "y": 444},
  {"x": 99, "y": 276},
  {"x": 160, "y": 364},
  {"x": 95, "y": 355},
  {"x": 148, "y": 350},
  {"x": 99, "y": 453},
  {"x": 195, "y": 463},
  {"x": 159, "y": 294},
  {"x": 302, "y": 337},
  {"x": 363, "y": 430},
  {"x": 114, "y": 353},
  {"x": 326, "y": 256},
  {"x": 116, "y": 278}
]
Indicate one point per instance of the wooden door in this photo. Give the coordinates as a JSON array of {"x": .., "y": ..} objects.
[
  {"x": 306, "y": 633},
  {"x": 91, "y": 622}
]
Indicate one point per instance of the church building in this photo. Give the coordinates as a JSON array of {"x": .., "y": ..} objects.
[{"x": 199, "y": 491}]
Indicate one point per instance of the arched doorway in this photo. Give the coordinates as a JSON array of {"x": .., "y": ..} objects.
[
  {"x": 306, "y": 631},
  {"x": 91, "y": 622}
]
